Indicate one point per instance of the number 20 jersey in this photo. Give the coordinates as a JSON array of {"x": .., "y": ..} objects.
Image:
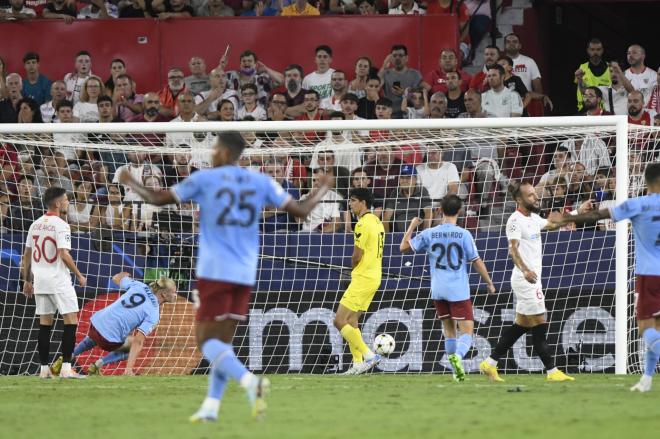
[
  {"x": 45, "y": 237},
  {"x": 231, "y": 200},
  {"x": 450, "y": 249},
  {"x": 137, "y": 309}
]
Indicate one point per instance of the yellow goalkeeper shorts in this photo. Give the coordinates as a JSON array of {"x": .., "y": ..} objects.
[{"x": 359, "y": 294}]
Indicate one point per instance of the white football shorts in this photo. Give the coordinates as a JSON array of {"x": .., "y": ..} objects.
[
  {"x": 65, "y": 302},
  {"x": 530, "y": 299}
]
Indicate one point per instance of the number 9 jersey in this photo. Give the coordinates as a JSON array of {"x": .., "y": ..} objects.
[
  {"x": 450, "y": 249},
  {"x": 136, "y": 308},
  {"x": 231, "y": 200}
]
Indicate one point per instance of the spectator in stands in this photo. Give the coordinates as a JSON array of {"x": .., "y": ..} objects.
[
  {"x": 472, "y": 100},
  {"x": 342, "y": 7},
  {"x": 480, "y": 21},
  {"x": 164, "y": 9},
  {"x": 523, "y": 66},
  {"x": 83, "y": 216},
  {"x": 499, "y": 100},
  {"x": 339, "y": 86},
  {"x": 299, "y": 7},
  {"x": 311, "y": 106},
  {"x": 407, "y": 7},
  {"x": 397, "y": 76},
  {"x": 116, "y": 215},
  {"x": 26, "y": 209},
  {"x": 320, "y": 79},
  {"x": 592, "y": 102},
  {"x": 186, "y": 105},
  {"x": 140, "y": 169},
  {"x": 561, "y": 167},
  {"x": 637, "y": 114},
  {"x": 384, "y": 109},
  {"x": 555, "y": 197},
  {"x": 278, "y": 107},
  {"x": 226, "y": 111},
  {"x": 654, "y": 101},
  {"x": 384, "y": 171},
  {"x": 367, "y": 7},
  {"x": 337, "y": 142},
  {"x": 459, "y": 154},
  {"x": 74, "y": 81},
  {"x": 439, "y": 178},
  {"x": 479, "y": 81},
  {"x": 214, "y": 8},
  {"x": 580, "y": 184},
  {"x": 51, "y": 174},
  {"x": 64, "y": 141},
  {"x": 615, "y": 97},
  {"x": 326, "y": 160},
  {"x": 61, "y": 9},
  {"x": 180, "y": 169},
  {"x": 86, "y": 109},
  {"x": 590, "y": 151},
  {"x": 198, "y": 81},
  {"x": 106, "y": 111},
  {"x": 438, "y": 105},
  {"x": 274, "y": 219},
  {"x": 293, "y": 91},
  {"x": 641, "y": 77},
  {"x": 263, "y": 8},
  {"x": 207, "y": 101},
  {"x": 151, "y": 110},
  {"x": 98, "y": 9},
  {"x": 58, "y": 93},
  {"x": 358, "y": 85},
  {"x": 9, "y": 105},
  {"x": 249, "y": 105},
  {"x": 28, "y": 111},
  {"x": 128, "y": 104},
  {"x": 253, "y": 71},
  {"x": 17, "y": 11},
  {"x": 593, "y": 73},
  {"x": 367, "y": 104},
  {"x": 436, "y": 80},
  {"x": 168, "y": 94},
  {"x": 407, "y": 202},
  {"x": 35, "y": 85},
  {"x": 325, "y": 217},
  {"x": 515, "y": 83},
  {"x": 117, "y": 68},
  {"x": 455, "y": 96},
  {"x": 418, "y": 107},
  {"x": 3, "y": 77},
  {"x": 359, "y": 179},
  {"x": 133, "y": 9}
]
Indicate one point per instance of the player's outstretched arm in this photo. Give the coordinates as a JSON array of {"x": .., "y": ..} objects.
[
  {"x": 300, "y": 209},
  {"x": 69, "y": 262},
  {"x": 405, "y": 247},
  {"x": 26, "y": 272},
  {"x": 479, "y": 265},
  {"x": 136, "y": 347},
  {"x": 581, "y": 218},
  {"x": 117, "y": 278},
  {"x": 157, "y": 198}
]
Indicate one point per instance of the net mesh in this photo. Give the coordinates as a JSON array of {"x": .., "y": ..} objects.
[{"x": 304, "y": 266}]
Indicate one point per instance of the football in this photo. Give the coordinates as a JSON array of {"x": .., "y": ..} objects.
[{"x": 384, "y": 344}]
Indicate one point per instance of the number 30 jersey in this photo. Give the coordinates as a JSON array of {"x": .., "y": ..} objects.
[
  {"x": 46, "y": 237},
  {"x": 450, "y": 249},
  {"x": 231, "y": 200},
  {"x": 137, "y": 309}
]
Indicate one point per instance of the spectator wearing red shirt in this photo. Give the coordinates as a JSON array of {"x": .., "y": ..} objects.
[
  {"x": 479, "y": 82},
  {"x": 448, "y": 62},
  {"x": 312, "y": 112},
  {"x": 168, "y": 94}
]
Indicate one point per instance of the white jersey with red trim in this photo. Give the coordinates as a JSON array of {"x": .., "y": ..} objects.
[{"x": 46, "y": 237}]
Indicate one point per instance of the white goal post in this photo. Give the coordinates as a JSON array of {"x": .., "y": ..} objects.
[{"x": 285, "y": 309}]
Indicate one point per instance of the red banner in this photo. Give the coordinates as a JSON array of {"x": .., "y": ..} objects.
[{"x": 150, "y": 47}]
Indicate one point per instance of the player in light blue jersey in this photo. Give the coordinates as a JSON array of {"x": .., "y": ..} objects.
[
  {"x": 450, "y": 249},
  {"x": 644, "y": 214},
  {"x": 231, "y": 199},
  {"x": 110, "y": 328}
]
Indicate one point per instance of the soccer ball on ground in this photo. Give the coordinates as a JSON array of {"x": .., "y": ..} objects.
[{"x": 384, "y": 344}]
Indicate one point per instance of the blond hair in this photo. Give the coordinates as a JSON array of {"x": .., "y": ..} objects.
[
  {"x": 84, "y": 96},
  {"x": 162, "y": 284}
]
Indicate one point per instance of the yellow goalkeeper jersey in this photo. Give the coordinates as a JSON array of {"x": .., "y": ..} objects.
[{"x": 370, "y": 237}]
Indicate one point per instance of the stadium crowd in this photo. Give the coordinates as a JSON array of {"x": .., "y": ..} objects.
[{"x": 407, "y": 181}]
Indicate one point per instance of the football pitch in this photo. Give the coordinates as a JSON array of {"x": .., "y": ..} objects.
[{"x": 309, "y": 406}]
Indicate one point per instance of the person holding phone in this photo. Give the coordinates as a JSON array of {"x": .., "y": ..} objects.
[{"x": 397, "y": 76}]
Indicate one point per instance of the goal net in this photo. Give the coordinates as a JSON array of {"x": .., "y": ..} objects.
[{"x": 305, "y": 266}]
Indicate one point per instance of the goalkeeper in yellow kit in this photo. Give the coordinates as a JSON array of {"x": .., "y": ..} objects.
[{"x": 367, "y": 262}]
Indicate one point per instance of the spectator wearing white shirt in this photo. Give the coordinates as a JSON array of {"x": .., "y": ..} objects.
[
  {"x": 590, "y": 151},
  {"x": 250, "y": 106},
  {"x": 438, "y": 177},
  {"x": 207, "y": 101},
  {"x": 86, "y": 109},
  {"x": 346, "y": 154},
  {"x": 339, "y": 86},
  {"x": 325, "y": 215},
  {"x": 615, "y": 97},
  {"x": 58, "y": 94},
  {"x": 74, "y": 81},
  {"x": 641, "y": 77},
  {"x": 64, "y": 141},
  {"x": 320, "y": 80},
  {"x": 499, "y": 100},
  {"x": 523, "y": 66},
  {"x": 407, "y": 7}
]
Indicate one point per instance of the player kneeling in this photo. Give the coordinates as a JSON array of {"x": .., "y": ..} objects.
[{"x": 110, "y": 328}]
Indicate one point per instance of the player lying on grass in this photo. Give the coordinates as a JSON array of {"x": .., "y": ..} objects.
[
  {"x": 644, "y": 214},
  {"x": 450, "y": 249},
  {"x": 110, "y": 328}
]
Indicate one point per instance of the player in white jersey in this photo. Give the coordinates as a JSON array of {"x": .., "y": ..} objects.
[
  {"x": 45, "y": 271},
  {"x": 523, "y": 230}
]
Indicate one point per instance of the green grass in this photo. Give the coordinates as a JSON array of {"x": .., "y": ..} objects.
[{"x": 305, "y": 406}]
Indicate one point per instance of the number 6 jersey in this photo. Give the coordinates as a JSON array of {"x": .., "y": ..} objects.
[
  {"x": 137, "y": 309},
  {"x": 45, "y": 237}
]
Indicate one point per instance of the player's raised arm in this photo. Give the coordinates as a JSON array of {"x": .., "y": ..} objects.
[
  {"x": 117, "y": 278},
  {"x": 405, "y": 246},
  {"x": 157, "y": 198},
  {"x": 590, "y": 217},
  {"x": 300, "y": 209}
]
